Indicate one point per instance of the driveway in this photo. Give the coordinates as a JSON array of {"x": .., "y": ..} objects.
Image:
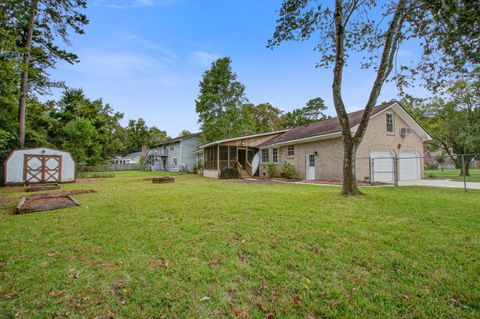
[{"x": 439, "y": 183}]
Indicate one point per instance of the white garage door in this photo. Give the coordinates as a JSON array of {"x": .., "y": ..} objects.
[
  {"x": 408, "y": 166},
  {"x": 382, "y": 166}
]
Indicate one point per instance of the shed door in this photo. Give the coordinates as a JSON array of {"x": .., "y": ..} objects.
[{"x": 42, "y": 168}]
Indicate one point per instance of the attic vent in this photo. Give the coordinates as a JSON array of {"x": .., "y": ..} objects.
[{"x": 405, "y": 130}]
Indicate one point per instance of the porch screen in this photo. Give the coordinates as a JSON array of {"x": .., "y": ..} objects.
[
  {"x": 233, "y": 156},
  {"x": 211, "y": 158},
  {"x": 223, "y": 157}
]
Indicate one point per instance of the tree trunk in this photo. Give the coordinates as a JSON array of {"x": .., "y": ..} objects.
[
  {"x": 24, "y": 75},
  {"x": 392, "y": 38},
  {"x": 349, "y": 186},
  {"x": 467, "y": 161}
]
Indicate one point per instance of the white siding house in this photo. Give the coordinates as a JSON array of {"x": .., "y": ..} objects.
[{"x": 174, "y": 155}]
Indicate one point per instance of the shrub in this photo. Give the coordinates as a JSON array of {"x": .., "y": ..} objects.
[
  {"x": 198, "y": 166},
  {"x": 228, "y": 173},
  {"x": 288, "y": 170},
  {"x": 95, "y": 174},
  {"x": 270, "y": 168}
]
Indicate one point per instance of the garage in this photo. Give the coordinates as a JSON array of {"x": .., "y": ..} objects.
[
  {"x": 382, "y": 166},
  {"x": 383, "y": 163},
  {"x": 409, "y": 166},
  {"x": 38, "y": 165}
]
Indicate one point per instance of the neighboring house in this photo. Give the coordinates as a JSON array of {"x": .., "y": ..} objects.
[
  {"x": 133, "y": 158},
  {"x": 316, "y": 149},
  {"x": 241, "y": 153},
  {"x": 174, "y": 155}
]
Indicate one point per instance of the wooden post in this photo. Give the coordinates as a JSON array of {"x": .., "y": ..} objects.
[{"x": 228, "y": 155}]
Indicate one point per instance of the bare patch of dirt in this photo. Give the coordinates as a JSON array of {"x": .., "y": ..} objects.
[
  {"x": 72, "y": 192},
  {"x": 37, "y": 203}
]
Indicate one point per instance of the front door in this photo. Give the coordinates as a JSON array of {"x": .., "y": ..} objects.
[
  {"x": 311, "y": 166},
  {"x": 42, "y": 168}
]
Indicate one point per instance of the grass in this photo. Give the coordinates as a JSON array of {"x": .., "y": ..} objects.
[
  {"x": 454, "y": 175},
  {"x": 204, "y": 248}
]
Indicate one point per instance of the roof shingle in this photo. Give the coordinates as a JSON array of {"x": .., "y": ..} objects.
[{"x": 322, "y": 127}]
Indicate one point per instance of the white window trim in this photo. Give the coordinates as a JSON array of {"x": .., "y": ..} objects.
[
  {"x": 273, "y": 158},
  {"x": 288, "y": 154},
  {"x": 393, "y": 123},
  {"x": 261, "y": 157}
]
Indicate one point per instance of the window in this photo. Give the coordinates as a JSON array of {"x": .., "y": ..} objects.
[
  {"x": 275, "y": 155},
  {"x": 390, "y": 123},
  {"x": 311, "y": 160},
  {"x": 291, "y": 150},
  {"x": 174, "y": 161},
  {"x": 172, "y": 147},
  {"x": 265, "y": 155}
]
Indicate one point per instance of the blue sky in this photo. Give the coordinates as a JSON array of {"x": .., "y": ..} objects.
[{"x": 146, "y": 58}]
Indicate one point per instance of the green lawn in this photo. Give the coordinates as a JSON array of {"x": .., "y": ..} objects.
[
  {"x": 203, "y": 248},
  {"x": 454, "y": 175}
]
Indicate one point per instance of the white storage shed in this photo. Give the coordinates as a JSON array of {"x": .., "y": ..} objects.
[{"x": 39, "y": 165}]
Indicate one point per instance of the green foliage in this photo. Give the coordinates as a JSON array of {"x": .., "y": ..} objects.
[
  {"x": 220, "y": 103},
  {"x": 270, "y": 168},
  {"x": 198, "y": 166},
  {"x": 184, "y": 133},
  {"x": 454, "y": 123},
  {"x": 8, "y": 141},
  {"x": 264, "y": 117},
  {"x": 288, "y": 170}
]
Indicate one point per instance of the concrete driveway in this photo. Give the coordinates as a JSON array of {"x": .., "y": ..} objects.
[{"x": 439, "y": 183}]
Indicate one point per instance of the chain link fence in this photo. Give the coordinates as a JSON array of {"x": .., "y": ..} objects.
[
  {"x": 407, "y": 169},
  {"x": 455, "y": 170}
]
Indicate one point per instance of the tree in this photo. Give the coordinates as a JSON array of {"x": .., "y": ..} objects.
[
  {"x": 41, "y": 24},
  {"x": 454, "y": 123},
  {"x": 312, "y": 112},
  {"x": 264, "y": 117},
  {"x": 367, "y": 27},
  {"x": 184, "y": 133},
  {"x": 220, "y": 103},
  {"x": 89, "y": 129},
  {"x": 157, "y": 136}
]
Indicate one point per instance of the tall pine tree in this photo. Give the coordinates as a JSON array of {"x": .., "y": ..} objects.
[{"x": 220, "y": 104}]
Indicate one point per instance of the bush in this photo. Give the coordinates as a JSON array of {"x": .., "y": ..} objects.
[
  {"x": 92, "y": 168},
  {"x": 288, "y": 170},
  {"x": 228, "y": 173},
  {"x": 270, "y": 168},
  {"x": 198, "y": 166},
  {"x": 95, "y": 174}
]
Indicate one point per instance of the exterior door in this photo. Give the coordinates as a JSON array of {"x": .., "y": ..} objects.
[
  {"x": 42, "y": 168},
  {"x": 310, "y": 166}
]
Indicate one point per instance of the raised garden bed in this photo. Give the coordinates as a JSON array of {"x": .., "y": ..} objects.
[
  {"x": 163, "y": 179},
  {"x": 41, "y": 187},
  {"x": 37, "y": 203}
]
